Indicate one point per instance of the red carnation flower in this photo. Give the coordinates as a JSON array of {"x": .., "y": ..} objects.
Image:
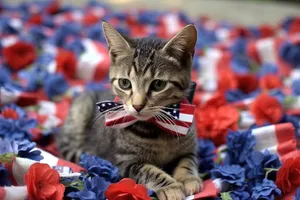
[
  {"x": 270, "y": 81},
  {"x": 217, "y": 100},
  {"x": 126, "y": 189},
  {"x": 227, "y": 80},
  {"x": 9, "y": 113},
  {"x": 66, "y": 63},
  {"x": 288, "y": 176},
  {"x": 266, "y": 109},
  {"x": 19, "y": 55},
  {"x": 247, "y": 83},
  {"x": 214, "y": 122},
  {"x": 43, "y": 183}
]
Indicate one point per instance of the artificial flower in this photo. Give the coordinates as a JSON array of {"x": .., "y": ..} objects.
[
  {"x": 296, "y": 87},
  {"x": 16, "y": 129},
  {"x": 297, "y": 195},
  {"x": 268, "y": 68},
  {"x": 266, "y": 190},
  {"x": 227, "y": 80},
  {"x": 258, "y": 161},
  {"x": 234, "y": 95},
  {"x": 270, "y": 81},
  {"x": 76, "y": 47},
  {"x": 247, "y": 82},
  {"x": 55, "y": 85},
  {"x": 206, "y": 154},
  {"x": 239, "y": 147},
  {"x": 232, "y": 174},
  {"x": 240, "y": 194},
  {"x": 290, "y": 53},
  {"x": 288, "y": 176},
  {"x": 12, "y": 111},
  {"x": 126, "y": 189},
  {"x": 240, "y": 65},
  {"x": 4, "y": 76},
  {"x": 213, "y": 123},
  {"x": 99, "y": 167},
  {"x": 8, "y": 147},
  {"x": 266, "y": 109},
  {"x": 19, "y": 55},
  {"x": 94, "y": 188},
  {"x": 43, "y": 183},
  {"x": 66, "y": 63},
  {"x": 4, "y": 174},
  {"x": 26, "y": 150},
  {"x": 217, "y": 100}
]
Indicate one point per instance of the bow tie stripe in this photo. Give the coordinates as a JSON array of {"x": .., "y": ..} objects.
[{"x": 177, "y": 118}]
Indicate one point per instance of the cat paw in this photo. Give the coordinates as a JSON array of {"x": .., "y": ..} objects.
[
  {"x": 174, "y": 191},
  {"x": 192, "y": 185}
]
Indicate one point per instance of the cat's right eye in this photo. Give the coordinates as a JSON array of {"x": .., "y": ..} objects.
[{"x": 124, "y": 84}]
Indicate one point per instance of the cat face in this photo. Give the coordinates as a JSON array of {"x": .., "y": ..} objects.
[{"x": 149, "y": 74}]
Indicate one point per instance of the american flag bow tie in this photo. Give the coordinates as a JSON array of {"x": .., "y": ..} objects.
[{"x": 178, "y": 120}]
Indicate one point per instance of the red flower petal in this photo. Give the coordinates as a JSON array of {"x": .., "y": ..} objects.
[
  {"x": 266, "y": 109},
  {"x": 288, "y": 176},
  {"x": 126, "y": 189},
  {"x": 10, "y": 114},
  {"x": 43, "y": 183},
  {"x": 19, "y": 55}
]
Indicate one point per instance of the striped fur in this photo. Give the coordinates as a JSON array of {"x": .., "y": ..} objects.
[{"x": 162, "y": 162}]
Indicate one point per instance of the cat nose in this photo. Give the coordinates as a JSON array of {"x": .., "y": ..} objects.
[{"x": 138, "y": 108}]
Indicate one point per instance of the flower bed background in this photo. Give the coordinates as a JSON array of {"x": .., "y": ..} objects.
[{"x": 247, "y": 98}]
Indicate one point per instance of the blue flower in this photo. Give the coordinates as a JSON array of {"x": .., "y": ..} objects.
[
  {"x": 232, "y": 174},
  {"x": 94, "y": 188},
  {"x": 99, "y": 167},
  {"x": 55, "y": 85},
  {"x": 21, "y": 113},
  {"x": 239, "y": 194},
  {"x": 239, "y": 47},
  {"x": 296, "y": 87},
  {"x": 295, "y": 120},
  {"x": 76, "y": 47},
  {"x": 8, "y": 147},
  {"x": 240, "y": 65},
  {"x": 233, "y": 95},
  {"x": 25, "y": 149},
  {"x": 297, "y": 195},
  {"x": 267, "y": 69},
  {"x": 206, "y": 154},
  {"x": 16, "y": 129},
  {"x": 4, "y": 174},
  {"x": 290, "y": 53},
  {"x": 22, "y": 149},
  {"x": 265, "y": 190},
  {"x": 4, "y": 75},
  {"x": 239, "y": 147},
  {"x": 256, "y": 163}
]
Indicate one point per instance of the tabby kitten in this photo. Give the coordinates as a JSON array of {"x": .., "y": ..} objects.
[{"x": 146, "y": 74}]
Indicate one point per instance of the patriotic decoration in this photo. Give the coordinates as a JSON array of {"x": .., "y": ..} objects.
[
  {"x": 180, "y": 117},
  {"x": 245, "y": 107}
]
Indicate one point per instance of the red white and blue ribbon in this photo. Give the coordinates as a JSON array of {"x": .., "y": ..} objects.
[{"x": 178, "y": 121}]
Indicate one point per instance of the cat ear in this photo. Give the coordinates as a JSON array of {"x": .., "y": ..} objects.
[
  {"x": 117, "y": 44},
  {"x": 182, "y": 43}
]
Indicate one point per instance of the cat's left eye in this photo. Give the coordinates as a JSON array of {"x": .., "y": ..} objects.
[{"x": 158, "y": 85}]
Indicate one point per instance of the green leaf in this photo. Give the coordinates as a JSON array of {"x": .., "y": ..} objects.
[
  {"x": 289, "y": 101},
  {"x": 269, "y": 170},
  {"x": 226, "y": 196},
  {"x": 7, "y": 157}
]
